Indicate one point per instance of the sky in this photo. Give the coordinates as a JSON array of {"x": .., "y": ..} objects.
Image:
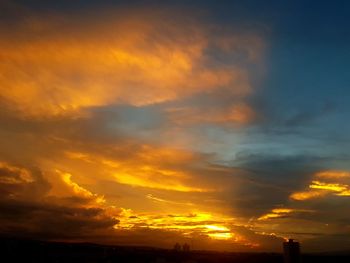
[{"x": 223, "y": 124}]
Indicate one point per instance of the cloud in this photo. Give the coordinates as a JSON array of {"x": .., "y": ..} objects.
[
  {"x": 68, "y": 63},
  {"x": 28, "y": 209},
  {"x": 281, "y": 213},
  {"x": 325, "y": 183},
  {"x": 307, "y": 195},
  {"x": 77, "y": 214},
  {"x": 238, "y": 114},
  {"x": 331, "y": 174},
  {"x": 143, "y": 167},
  {"x": 14, "y": 175},
  {"x": 19, "y": 182},
  {"x": 72, "y": 85}
]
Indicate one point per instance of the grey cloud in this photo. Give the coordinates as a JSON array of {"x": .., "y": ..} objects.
[{"x": 27, "y": 210}]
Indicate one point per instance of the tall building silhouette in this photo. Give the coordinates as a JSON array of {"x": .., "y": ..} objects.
[{"x": 291, "y": 250}]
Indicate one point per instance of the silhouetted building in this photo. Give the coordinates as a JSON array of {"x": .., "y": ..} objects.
[
  {"x": 177, "y": 247},
  {"x": 186, "y": 247},
  {"x": 291, "y": 250}
]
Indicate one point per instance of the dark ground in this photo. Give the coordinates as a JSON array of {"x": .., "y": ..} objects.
[{"x": 17, "y": 250}]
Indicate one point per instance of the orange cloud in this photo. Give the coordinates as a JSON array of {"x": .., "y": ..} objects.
[
  {"x": 36, "y": 210},
  {"x": 48, "y": 68},
  {"x": 69, "y": 202},
  {"x": 276, "y": 213},
  {"x": 196, "y": 223},
  {"x": 150, "y": 167},
  {"x": 240, "y": 113},
  {"x": 80, "y": 191},
  {"x": 281, "y": 213},
  {"x": 333, "y": 182},
  {"x": 24, "y": 176},
  {"x": 62, "y": 64},
  {"x": 307, "y": 195},
  {"x": 161, "y": 200},
  {"x": 334, "y": 187},
  {"x": 332, "y": 174}
]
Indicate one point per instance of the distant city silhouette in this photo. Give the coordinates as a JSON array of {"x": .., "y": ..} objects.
[
  {"x": 177, "y": 247},
  {"x": 14, "y": 250},
  {"x": 185, "y": 247}
]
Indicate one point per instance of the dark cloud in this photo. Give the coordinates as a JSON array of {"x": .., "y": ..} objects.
[
  {"x": 328, "y": 243},
  {"x": 27, "y": 210}
]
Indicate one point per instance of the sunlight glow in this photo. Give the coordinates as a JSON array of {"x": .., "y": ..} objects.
[
  {"x": 333, "y": 182},
  {"x": 188, "y": 225}
]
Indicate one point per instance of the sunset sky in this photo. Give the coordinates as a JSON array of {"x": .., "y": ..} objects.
[{"x": 223, "y": 124}]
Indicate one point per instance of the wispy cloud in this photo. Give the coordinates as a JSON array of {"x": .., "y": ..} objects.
[
  {"x": 60, "y": 64},
  {"x": 325, "y": 183}
]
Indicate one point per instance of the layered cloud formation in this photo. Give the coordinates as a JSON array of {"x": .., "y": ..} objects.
[{"x": 147, "y": 126}]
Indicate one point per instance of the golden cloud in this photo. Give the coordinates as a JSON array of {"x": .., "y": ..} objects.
[
  {"x": 35, "y": 210},
  {"x": 53, "y": 65},
  {"x": 282, "y": 213},
  {"x": 276, "y": 213},
  {"x": 213, "y": 226},
  {"x": 62, "y": 64},
  {"x": 307, "y": 195},
  {"x": 333, "y": 183},
  {"x": 79, "y": 190},
  {"x": 145, "y": 169}
]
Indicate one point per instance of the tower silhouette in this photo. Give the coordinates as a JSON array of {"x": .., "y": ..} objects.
[{"x": 291, "y": 251}]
